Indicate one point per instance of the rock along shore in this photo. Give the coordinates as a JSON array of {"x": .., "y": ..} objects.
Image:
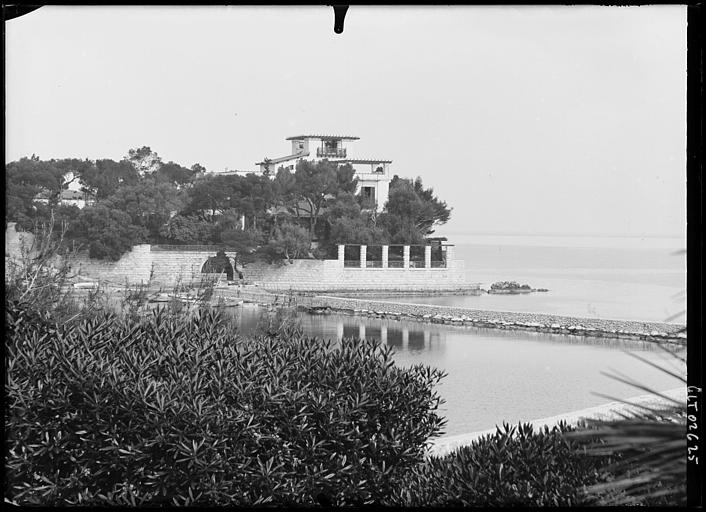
[
  {"x": 537, "y": 322},
  {"x": 449, "y": 315}
]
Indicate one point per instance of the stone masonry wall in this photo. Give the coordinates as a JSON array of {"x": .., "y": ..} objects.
[
  {"x": 15, "y": 241},
  {"x": 329, "y": 275},
  {"x": 185, "y": 266},
  {"x": 133, "y": 267}
]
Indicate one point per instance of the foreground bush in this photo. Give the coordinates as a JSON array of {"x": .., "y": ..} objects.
[
  {"x": 168, "y": 411},
  {"x": 514, "y": 466}
]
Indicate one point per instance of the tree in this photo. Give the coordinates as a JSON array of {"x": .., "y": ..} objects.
[
  {"x": 252, "y": 195},
  {"x": 441, "y": 212},
  {"x": 342, "y": 222},
  {"x": 209, "y": 194},
  {"x": 198, "y": 169},
  {"x": 149, "y": 203},
  {"x": 59, "y": 215},
  {"x": 26, "y": 178},
  {"x": 412, "y": 211},
  {"x": 347, "y": 182},
  {"x": 356, "y": 231},
  {"x": 288, "y": 242},
  {"x": 314, "y": 184},
  {"x": 105, "y": 176},
  {"x": 107, "y": 232},
  {"x": 219, "y": 264},
  {"x": 144, "y": 160},
  {"x": 245, "y": 242},
  {"x": 188, "y": 230},
  {"x": 175, "y": 174}
]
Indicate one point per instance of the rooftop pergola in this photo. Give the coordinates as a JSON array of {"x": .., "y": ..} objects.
[
  {"x": 324, "y": 137},
  {"x": 395, "y": 256}
]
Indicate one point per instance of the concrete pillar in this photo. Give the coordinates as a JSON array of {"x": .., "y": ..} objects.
[
  {"x": 405, "y": 337},
  {"x": 361, "y": 331},
  {"x": 383, "y": 334},
  {"x": 341, "y": 254},
  {"x": 450, "y": 252},
  {"x": 242, "y": 222},
  {"x": 385, "y": 249},
  {"x": 427, "y": 339},
  {"x": 339, "y": 331},
  {"x": 427, "y": 256},
  {"x": 363, "y": 255},
  {"x": 405, "y": 257}
]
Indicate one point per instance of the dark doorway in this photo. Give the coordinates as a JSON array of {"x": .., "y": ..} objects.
[{"x": 218, "y": 264}]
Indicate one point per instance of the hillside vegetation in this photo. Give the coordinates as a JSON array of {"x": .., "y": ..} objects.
[{"x": 142, "y": 199}]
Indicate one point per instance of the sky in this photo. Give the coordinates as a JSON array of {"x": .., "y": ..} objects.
[{"x": 525, "y": 120}]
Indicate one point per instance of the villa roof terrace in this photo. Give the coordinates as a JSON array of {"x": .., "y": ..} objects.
[{"x": 324, "y": 137}]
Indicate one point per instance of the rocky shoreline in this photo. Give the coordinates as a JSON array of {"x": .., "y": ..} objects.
[
  {"x": 449, "y": 315},
  {"x": 535, "y": 322}
]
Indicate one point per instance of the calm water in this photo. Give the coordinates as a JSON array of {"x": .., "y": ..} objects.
[
  {"x": 620, "y": 279},
  {"x": 495, "y": 376}
]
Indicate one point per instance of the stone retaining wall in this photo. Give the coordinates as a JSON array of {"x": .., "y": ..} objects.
[
  {"x": 502, "y": 319},
  {"x": 133, "y": 267},
  {"x": 168, "y": 267},
  {"x": 331, "y": 275}
]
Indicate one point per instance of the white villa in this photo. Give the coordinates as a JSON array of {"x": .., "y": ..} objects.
[
  {"x": 72, "y": 192},
  {"x": 373, "y": 173}
]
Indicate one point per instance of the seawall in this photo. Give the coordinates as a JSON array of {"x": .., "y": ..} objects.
[{"x": 608, "y": 411}]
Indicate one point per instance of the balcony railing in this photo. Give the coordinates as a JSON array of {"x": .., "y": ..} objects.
[
  {"x": 335, "y": 153},
  {"x": 196, "y": 248}
]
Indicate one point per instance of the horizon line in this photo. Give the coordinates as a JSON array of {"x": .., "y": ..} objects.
[{"x": 560, "y": 234}]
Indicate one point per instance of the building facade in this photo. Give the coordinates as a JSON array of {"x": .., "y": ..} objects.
[{"x": 373, "y": 173}]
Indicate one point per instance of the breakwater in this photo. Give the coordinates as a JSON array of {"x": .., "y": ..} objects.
[{"x": 553, "y": 324}]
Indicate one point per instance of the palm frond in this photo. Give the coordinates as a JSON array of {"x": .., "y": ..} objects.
[
  {"x": 642, "y": 387},
  {"x": 663, "y": 347},
  {"x": 647, "y": 447},
  {"x": 681, "y": 378},
  {"x": 626, "y": 402}
]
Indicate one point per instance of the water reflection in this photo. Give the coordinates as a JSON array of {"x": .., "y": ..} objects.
[
  {"x": 402, "y": 336},
  {"x": 496, "y": 375}
]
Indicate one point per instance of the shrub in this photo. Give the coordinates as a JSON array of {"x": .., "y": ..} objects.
[
  {"x": 514, "y": 466},
  {"x": 38, "y": 277},
  {"x": 166, "y": 410}
]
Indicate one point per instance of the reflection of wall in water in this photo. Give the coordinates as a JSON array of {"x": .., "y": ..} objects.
[
  {"x": 400, "y": 335},
  {"x": 417, "y": 340}
]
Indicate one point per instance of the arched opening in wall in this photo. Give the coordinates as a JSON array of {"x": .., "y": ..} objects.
[{"x": 218, "y": 264}]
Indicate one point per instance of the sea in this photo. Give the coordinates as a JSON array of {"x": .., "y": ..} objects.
[
  {"x": 620, "y": 278},
  {"x": 497, "y": 376}
]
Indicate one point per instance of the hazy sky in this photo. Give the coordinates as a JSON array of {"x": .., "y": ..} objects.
[{"x": 524, "y": 119}]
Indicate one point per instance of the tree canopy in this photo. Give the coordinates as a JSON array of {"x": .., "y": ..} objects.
[
  {"x": 411, "y": 211},
  {"x": 141, "y": 199}
]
